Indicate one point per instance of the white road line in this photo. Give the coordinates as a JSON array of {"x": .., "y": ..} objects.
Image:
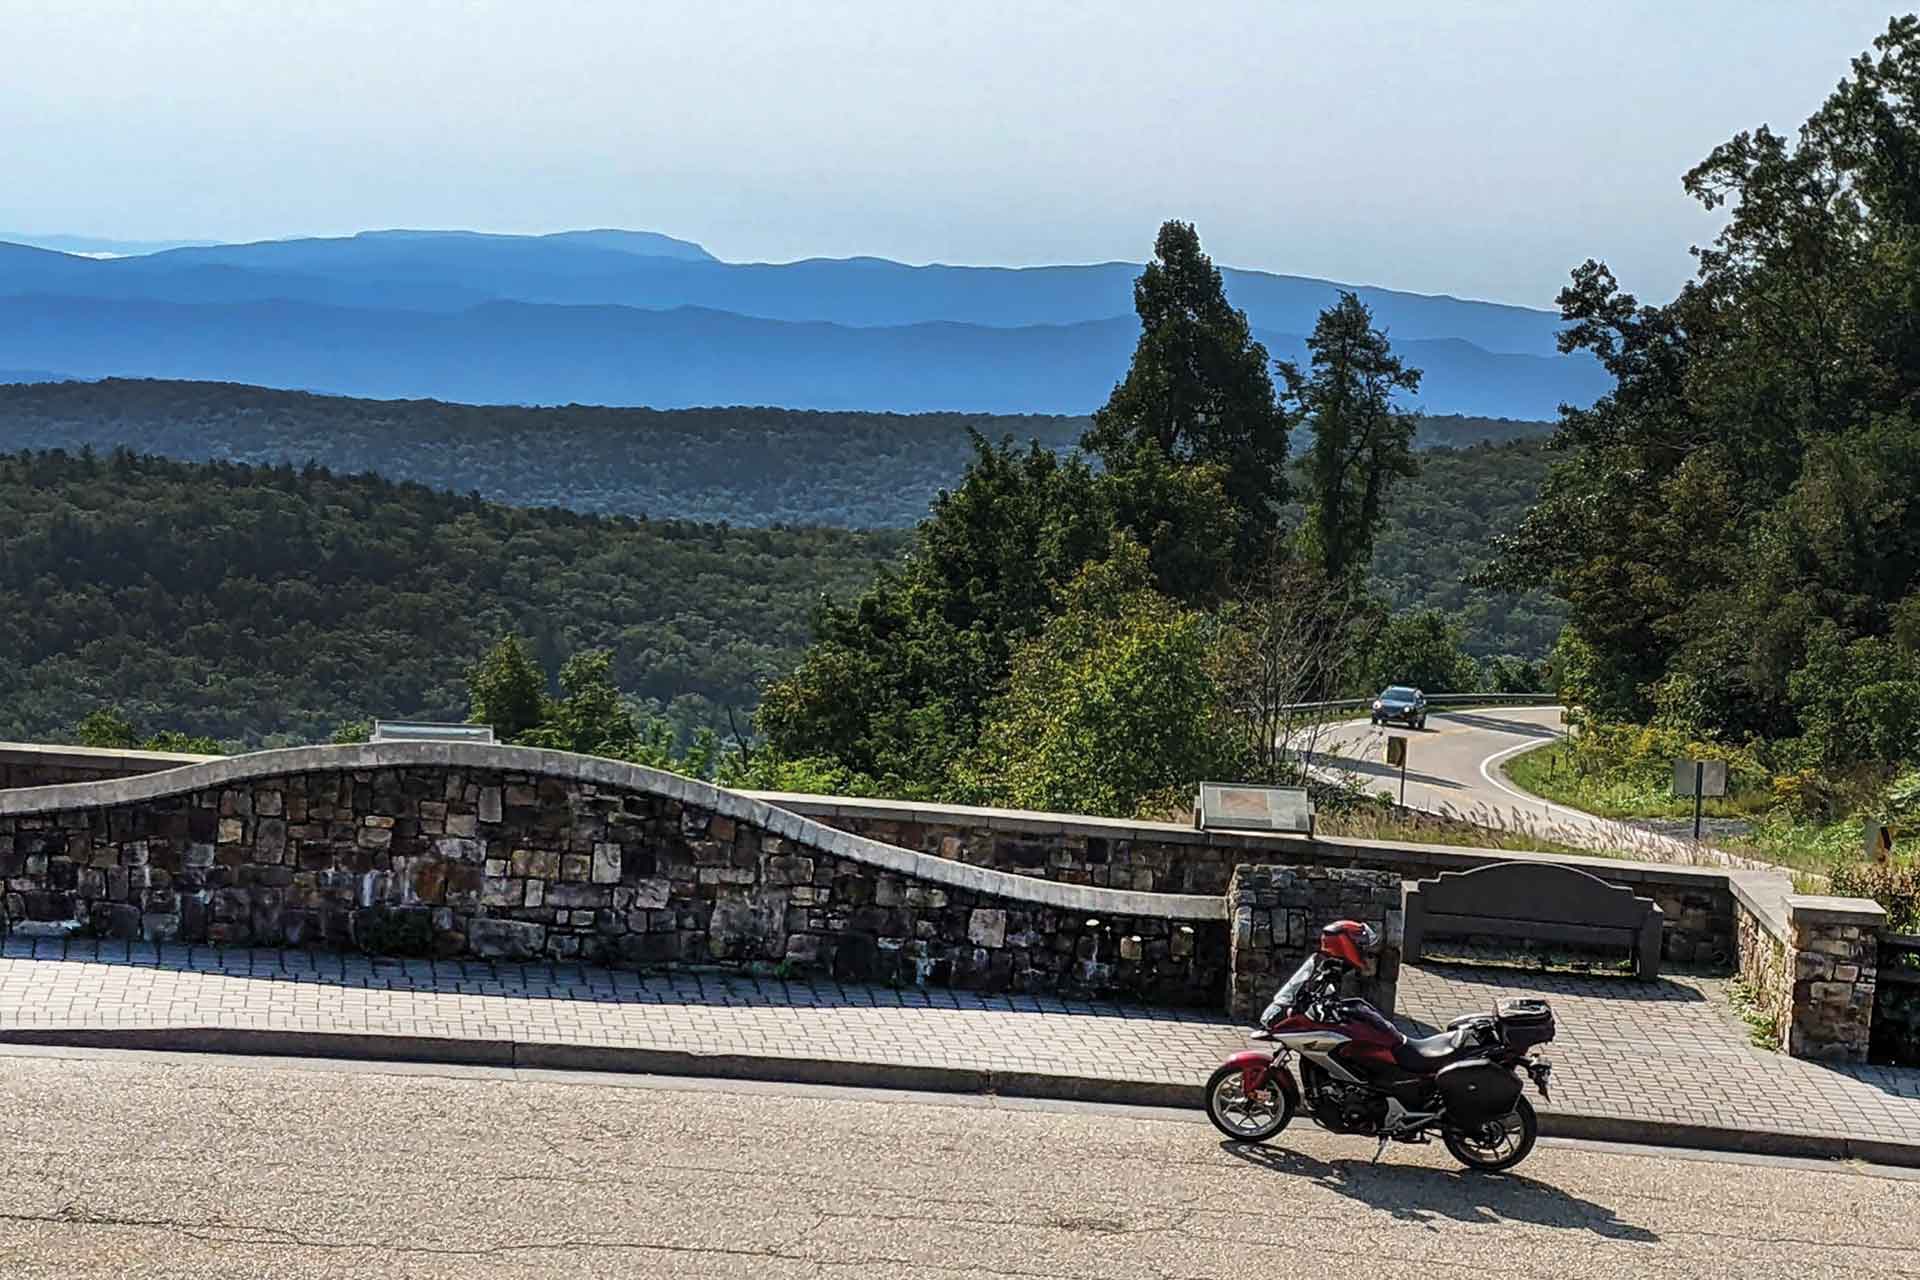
[
  {"x": 1593, "y": 823},
  {"x": 1487, "y": 772}
]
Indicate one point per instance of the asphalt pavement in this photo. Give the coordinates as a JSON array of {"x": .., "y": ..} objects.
[
  {"x": 1454, "y": 766},
  {"x": 163, "y": 1167}
]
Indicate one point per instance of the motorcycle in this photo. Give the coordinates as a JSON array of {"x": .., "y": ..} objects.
[{"x": 1360, "y": 1075}]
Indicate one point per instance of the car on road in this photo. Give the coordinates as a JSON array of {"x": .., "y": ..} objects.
[{"x": 1401, "y": 703}]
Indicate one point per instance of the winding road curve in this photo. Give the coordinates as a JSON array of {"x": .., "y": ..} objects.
[{"x": 1454, "y": 767}]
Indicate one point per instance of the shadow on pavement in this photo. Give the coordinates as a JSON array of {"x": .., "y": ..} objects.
[
  {"x": 1377, "y": 769},
  {"x": 1894, "y": 1081},
  {"x": 1480, "y": 984},
  {"x": 1518, "y": 728},
  {"x": 1417, "y": 1194},
  {"x": 574, "y": 982}
]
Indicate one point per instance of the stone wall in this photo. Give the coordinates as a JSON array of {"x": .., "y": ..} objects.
[
  {"x": 1697, "y": 902},
  {"x": 1766, "y": 969},
  {"x": 1812, "y": 964},
  {"x": 459, "y": 849},
  {"x": 1275, "y": 915}
]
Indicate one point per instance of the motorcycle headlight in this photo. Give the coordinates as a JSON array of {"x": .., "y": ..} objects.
[
  {"x": 1377, "y": 704},
  {"x": 1271, "y": 1015}
]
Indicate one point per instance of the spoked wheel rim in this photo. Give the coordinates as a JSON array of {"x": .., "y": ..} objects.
[
  {"x": 1250, "y": 1115},
  {"x": 1499, "y": 1144},
  {"x": 1497, "y": 1139}
]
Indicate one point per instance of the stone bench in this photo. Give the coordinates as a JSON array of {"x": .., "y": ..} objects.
[{"x": 1536, "y": 902}]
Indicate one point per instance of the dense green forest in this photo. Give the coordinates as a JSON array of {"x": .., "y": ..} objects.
[
  {"x": 756, "y": 467},
  {"x": 1439, "y": 529},
  {"x": 746, "y": 466},
  {"x": 260, "y": 605}
]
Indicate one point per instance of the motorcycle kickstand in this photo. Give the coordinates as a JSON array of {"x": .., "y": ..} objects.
[{"x": 1381, "y": 1149}]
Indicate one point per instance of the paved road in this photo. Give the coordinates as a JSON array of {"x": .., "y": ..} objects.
[
  {"x": 142, "y": 1165},
  {"x": 1454, "y": 766}
]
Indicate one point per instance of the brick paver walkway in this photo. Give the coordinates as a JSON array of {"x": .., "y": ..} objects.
[{"x": 1671, "y": 1050}]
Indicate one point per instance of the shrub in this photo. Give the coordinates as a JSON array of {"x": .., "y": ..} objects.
[{"x": 1894, "y": 884}]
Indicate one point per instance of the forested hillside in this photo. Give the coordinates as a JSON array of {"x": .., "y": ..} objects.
[
  {"x": 1440, "y": 528},
  {"x": 268, "y": 605},
  {"x": 743, "y": 465}
]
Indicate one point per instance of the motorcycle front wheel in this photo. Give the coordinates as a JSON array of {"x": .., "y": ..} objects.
[
  {"x": 1247, "y": 1116},
  {"x": 1498, "y": 1144}
]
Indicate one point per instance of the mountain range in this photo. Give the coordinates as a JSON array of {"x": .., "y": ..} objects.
[{"x": 637, "y": 318}]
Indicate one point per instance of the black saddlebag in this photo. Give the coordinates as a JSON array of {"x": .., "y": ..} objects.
[
  {"x": 1477, "y": 1091},
  {"x": 1524, "y": 1023}
]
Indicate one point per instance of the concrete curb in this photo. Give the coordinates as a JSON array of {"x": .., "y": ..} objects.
[{"x": 634, "y": 1060}]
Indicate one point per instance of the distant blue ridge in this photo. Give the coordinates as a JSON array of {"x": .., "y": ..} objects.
[{"x": 629, "y": 317}]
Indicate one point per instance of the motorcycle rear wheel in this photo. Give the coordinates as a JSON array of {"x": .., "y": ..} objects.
[
  {"x": 1499, "y": 1144},
  {"x": 1243, "y": 1116}
]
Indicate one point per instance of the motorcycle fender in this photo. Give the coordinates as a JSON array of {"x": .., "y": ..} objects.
[{"x": 1256, "y": 1065}]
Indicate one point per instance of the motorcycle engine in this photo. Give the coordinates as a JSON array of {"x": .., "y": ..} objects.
[{"x": 1343, "y": 1108}]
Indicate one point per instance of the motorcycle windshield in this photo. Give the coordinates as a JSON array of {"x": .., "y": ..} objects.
[{"x": 1287, "y": 995}]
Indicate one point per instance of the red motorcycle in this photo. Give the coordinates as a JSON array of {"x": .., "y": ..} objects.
[{"x": 1360, "y": 1075}]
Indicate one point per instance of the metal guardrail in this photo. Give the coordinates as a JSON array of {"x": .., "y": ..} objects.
[{"x": 1433, "y": 699}]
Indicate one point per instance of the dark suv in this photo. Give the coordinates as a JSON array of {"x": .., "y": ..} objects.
[{"x": 1409, "y": 706}]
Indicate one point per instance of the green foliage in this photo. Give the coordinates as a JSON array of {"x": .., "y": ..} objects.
[
  {"x": 1198, "y": 392},
  {"x": 349, "y": 732},
  {"x": 507, "y": 690},
  {"x": 590, "y": 716},
  {"x": 1894, "y": 884},
  {"x": 1422, "y": 649},
  {"x": 1644, "y": 754},
  {"x": 1857, "y": 702},
  {"x": 1736, "y": 514},
  {"x": 756, "y": 467},
  {"x": 1111, "y": 709},
  {"x": 105, "y": 728},
  {"x": 764, "y": 771},
  {"x": 266, "y": 606},
  {"x": 1440, "y": 530},
  {"x": 1361, "y": 443},
  {"x": 974, "y": 663},
  {"x": 895, "y": 684},
  {"x": 182, "y": 743},
  {"x": 1509, "y": 674},
  {"x": 743, "y": 465}
]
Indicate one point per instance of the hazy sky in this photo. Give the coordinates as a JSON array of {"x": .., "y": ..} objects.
[{"x": 1480, "y": 149}]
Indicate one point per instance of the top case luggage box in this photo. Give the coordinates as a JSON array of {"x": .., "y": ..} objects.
[{"x": 1524, "y": 1023}]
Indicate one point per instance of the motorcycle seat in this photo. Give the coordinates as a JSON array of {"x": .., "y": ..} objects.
[{"x": 1430, "y": 1053}]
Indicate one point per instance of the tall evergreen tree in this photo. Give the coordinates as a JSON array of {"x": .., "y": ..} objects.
[
  {"x": 508, "y": 689},
  {"x": 1198, "y": 392},
  {"x": 1362, "y": 443}
]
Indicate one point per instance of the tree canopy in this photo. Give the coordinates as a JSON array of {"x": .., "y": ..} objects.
[
  {"x": 1741, "y": 502},
  {"x": 1362, "y": 441},
  {"x": 1198, "y": 394},
  {"x": 263, "y": 606}
]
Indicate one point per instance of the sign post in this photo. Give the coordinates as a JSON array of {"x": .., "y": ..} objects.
[
  {"x": 1397, "y": 755},
  {"x": 1699, "y": 779}
]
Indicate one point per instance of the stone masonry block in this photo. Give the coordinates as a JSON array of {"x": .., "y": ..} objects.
[{"x": 987, "y": 927}]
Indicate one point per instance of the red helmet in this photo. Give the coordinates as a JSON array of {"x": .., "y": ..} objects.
[{"x": 1349, "y": 942}]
